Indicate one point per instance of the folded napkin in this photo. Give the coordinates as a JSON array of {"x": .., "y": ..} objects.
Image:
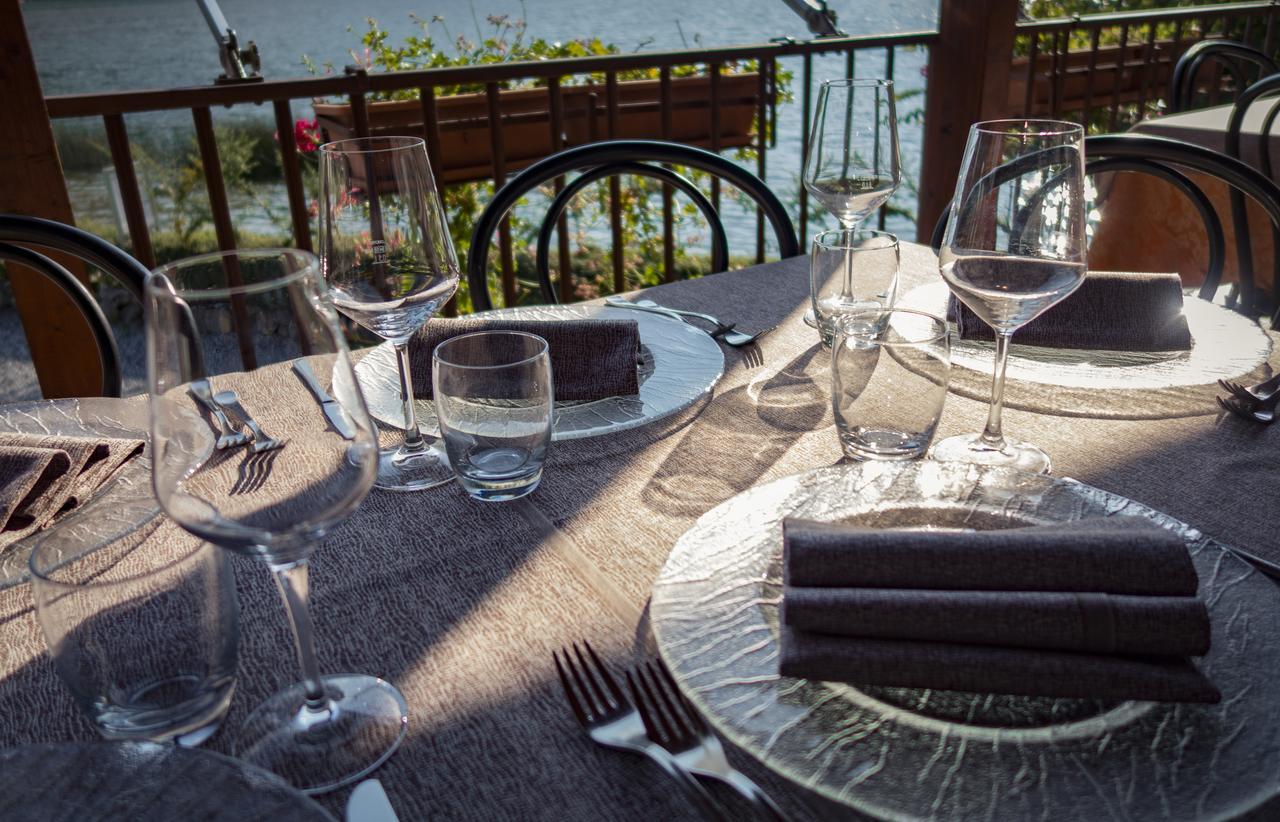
[
  {"x": 1111, "y": 310},
  {"x": 590, "y": 359},
  {"x": 1112, "y": 555},
  {"x": 44, "y": 475}
]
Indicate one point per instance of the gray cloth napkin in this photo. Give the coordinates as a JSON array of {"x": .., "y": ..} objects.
[
  {"x": 1098, "y": 623},
  {"x": 590, "y": 359},
  {"x": 44, "y": 475},
  {"x": 1112, "y": 555},
  {"x": 991, "y": 669},
  {"x": 1111, "y": 311}
]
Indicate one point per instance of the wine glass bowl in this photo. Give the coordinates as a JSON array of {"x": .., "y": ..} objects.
[{"x": 852, "y": 165}]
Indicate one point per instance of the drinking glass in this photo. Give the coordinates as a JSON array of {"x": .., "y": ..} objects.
[
  {"x": 889, "y": 374},
  {"x": 851, "y": 270},
  {"x": 1014, "y": 247},
  {"x": 389, "y": 261},
  {"x": 494, "y": 397},
  {"x": 852, "y": 164},
  {"x": 142, "y": 631},
  {"x": 242, "y": 322}
]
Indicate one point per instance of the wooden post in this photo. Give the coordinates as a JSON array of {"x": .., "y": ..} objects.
[
  {"x": 968, "y": 81},
  {"x": 31, "y": 182}
]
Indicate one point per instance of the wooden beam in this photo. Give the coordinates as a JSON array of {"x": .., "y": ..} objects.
[
  {"x": 62, "y": 347},
  {"x": 968, "y": 82}
]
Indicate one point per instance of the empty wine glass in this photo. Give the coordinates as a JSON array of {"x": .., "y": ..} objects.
[
  {"x": 1014, "y": 247},
  {"x": 389, "y": 261},
  {"x": 227, "y": 335}
]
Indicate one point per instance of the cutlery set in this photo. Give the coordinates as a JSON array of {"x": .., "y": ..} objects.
[
  {"x": 723, "y": 331},
  {"x": 1255, "y": 402}
]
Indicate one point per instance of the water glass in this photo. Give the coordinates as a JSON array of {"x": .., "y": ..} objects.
[
  {"x": 851, "y": 270},
  {"x": 142, "y": 631},
  {"x": 889, "y": 374},
  {"x": 495, "y": 402}
]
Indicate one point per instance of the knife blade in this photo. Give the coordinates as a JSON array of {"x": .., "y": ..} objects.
[
  {"x": 369, "y": 803},
  {"x": 332, "y": 410}
]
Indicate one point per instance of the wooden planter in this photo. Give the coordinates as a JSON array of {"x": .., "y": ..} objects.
[{"x": 466, "y": 145}]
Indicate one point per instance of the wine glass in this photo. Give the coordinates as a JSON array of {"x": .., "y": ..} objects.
[
  {"x": 390, "y": 264},
  {"x": 852, "y": 164},
  {"x": 1014, "y": 247},
  {"x": 236, "y": 335}
]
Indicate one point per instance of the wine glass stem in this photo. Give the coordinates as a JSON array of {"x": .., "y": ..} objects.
[
  {"x": 991, "y": 435},
  {"x": 413, "y": 439},
  {"x": 291, "y": 579}
]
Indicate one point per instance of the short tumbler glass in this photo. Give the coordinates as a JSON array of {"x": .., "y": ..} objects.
[
  {"x": 851, "y": 270},
  {"x": 889, "y": 373},
  {"x": 142, "y": 631},
  {"x": 494, "y": 398}
]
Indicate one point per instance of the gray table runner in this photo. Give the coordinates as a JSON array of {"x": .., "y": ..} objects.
[{"x": 460, "y": 603}]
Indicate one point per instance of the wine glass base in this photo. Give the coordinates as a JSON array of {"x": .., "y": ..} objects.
[
  {"x": 972, "y": 449},
  {"x": 401, "y": 470},
  {"x": 810, "y": 319},
  {"x": 317, "y": 749}
]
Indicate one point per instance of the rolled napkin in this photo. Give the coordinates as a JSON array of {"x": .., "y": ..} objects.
[
  {"x": 1092, "y": 622},
  {"x": 1111, "y": 310},
  {"x": 43, "y": 475},
  {"x": 1111, "y": 555},
  {"x": 590, "y": 359},
  {"x": 991, "y": 669}
]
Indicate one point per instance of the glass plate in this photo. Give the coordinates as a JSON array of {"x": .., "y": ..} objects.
[
  {"x": 679, "y": 364},
  {"x": 917, "y": 754},
  {"x": 127, "y": 499},
  {"x": 142, "y": 780}
]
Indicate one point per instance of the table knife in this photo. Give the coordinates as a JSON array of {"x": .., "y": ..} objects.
[
  {"x": 369, "y": 803},
  {"x": 332, "y": 410}
]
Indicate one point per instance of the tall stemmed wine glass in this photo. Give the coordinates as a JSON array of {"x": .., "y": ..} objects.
[
  {"x": 236, "y": 335},
  {"x": 1014, "y": 247},
  {"x": 852, "y": 164},
  {"x": 390, "y": 263}
]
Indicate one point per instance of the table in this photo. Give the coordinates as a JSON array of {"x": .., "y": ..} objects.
[
  {"x": 1208, "y": 127},
  {"x": 461, "y": 603}
]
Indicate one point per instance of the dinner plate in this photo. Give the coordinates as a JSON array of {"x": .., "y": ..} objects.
[
  {"x": 918, "y": 754},
  {"x": 679, "y": 365},
  {"x": 107, "y": 781},
  {"x": 127, "y": 498}
]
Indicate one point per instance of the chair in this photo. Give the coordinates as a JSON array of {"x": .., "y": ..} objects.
[
  {"x": 1162, "y": 157},
  {"x": 1239, "y": 216},
  {"x": 1237, "y": 59},
  {"x": 50, "y": 235},
  {"x": 598, "y": 161}
]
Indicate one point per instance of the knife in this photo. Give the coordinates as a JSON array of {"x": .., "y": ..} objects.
[
  {"x": 336, "y": 415},
  {"x": 369, "y": 803}
]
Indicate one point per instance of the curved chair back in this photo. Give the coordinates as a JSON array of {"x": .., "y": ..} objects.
[
  {"x": 597, "y": 161},
  {"x": 1164, "y": 158},
  {"x": 1237, "y": 59},
  {"x": 50, "y": 235}
]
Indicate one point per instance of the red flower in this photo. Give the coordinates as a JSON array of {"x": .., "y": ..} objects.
[{"x": 306, "y": 135}]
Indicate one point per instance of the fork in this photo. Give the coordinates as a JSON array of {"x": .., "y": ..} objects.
[
  {"x": 229, "y": 436},
  {"x": 724, "y": 331},
  {"x": 678, "y": 727},
  {"x": 262, "y": 441},
  {"x": 1262, "y": 392},
  {"x": 1263, "y": 411},
  {"x": 611, "y": 720}
]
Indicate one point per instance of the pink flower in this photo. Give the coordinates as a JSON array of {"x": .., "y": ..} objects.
[{"x": 306, "y": 135}]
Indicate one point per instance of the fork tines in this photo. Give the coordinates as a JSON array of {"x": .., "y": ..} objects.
[
  {"x": 589, "y": 702},
  {"x": 670, "y": 722}
]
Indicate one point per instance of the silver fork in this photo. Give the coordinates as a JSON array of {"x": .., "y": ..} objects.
[
  {"x": 228, "y": 436},
  {"x": 678, "y": 727},
  {"x": 610, "y": 719},
  {"x": 1262, "y": 392},
  {"x": 724, "y": 331},
  {"x": 1258, "y": 411},
  {"x": 262, "y": 441}
]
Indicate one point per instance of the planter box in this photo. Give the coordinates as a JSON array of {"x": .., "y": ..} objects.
[{"x": 465, "y": 143}]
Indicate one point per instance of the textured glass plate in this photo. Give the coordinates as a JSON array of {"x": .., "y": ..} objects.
[
  {"x": 127, "y": 499},
  {"x": 917, "y": 754},
  {"x": 142, "y": 780},
  {"x": 679, "y": 365}
]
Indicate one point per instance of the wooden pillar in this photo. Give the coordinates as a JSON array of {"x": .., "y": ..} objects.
[
  {"x": 968, "y": 81},
  {"x": 31, "y": 183}
]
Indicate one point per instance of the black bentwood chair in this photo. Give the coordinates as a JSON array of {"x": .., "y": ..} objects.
[
  {"x": 55, "y": 236},
  {"x": 1242, "y": 63},
  {"x": 1162, "y": 157},
  {"x": 598, "y": 161}
]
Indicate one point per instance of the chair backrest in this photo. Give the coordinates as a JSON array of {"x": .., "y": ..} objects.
[
  {"x": 597, "y": 161},
  {"x": 47, "y": 234},
  {"x": 1240, "y": 61},
  {"x": 1164, "y": 158}
]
